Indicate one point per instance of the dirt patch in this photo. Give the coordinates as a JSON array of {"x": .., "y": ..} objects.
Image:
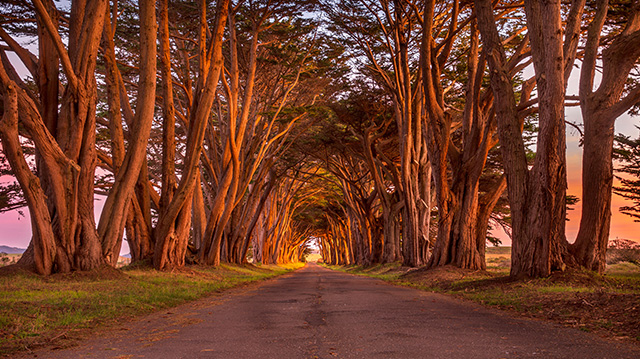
[
  {"x": 579, "y": 278},
  {"x": 610, "y": 314}
]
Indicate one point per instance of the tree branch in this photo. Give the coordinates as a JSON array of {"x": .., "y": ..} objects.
[{"x": 55, "y": 37}]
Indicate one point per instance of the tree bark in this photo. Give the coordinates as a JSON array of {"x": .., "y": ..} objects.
[
  {"x": 43, "y": 245},
  {"x": 114, "y": 213},
  {"x": 67, "y": 153},
  {"x": 181, "y": 201},
  {"x": 600, "y": 109},
  {"x": 536, "y": 196}
]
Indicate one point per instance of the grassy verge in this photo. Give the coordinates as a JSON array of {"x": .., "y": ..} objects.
[
  {"x": 37, "y": 311},
  {"x": 608, "y": 305}
]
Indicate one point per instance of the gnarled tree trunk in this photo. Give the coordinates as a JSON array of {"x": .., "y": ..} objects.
[
  {"x": 536, "y": 196},
  {"x": 65, "y": 143}
]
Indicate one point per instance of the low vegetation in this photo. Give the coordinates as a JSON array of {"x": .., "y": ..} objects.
[
  {"x": 8, "y": 259},
  {"x": 59, "y": 309},
  {"x": 608, "y": 304}
]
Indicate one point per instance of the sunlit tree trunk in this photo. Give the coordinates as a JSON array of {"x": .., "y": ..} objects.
[
  {"x": 170, "y": 242},
  {"x": 389, "y": 241},
  {"x": 137, "y": 211},
  {"x": 242, "y": 146},
  {"x": 395, "y": 72},
  {"x": 114, "y": 213},
  {"x": 66, "y": 238}
]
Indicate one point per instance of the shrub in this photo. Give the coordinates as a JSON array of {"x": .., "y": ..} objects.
[
  {"x": 616, "y": 255},
  {"x": 621, "y": 243}
]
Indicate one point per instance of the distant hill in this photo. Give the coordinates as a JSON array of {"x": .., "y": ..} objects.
[{"x": 11, "y": 250}]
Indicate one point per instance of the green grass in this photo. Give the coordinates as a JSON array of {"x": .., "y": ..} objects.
[
  {"x": 34, "y": 309},
  {"x": 564, "y": 289},
  {"x": 496, "y": 298}
]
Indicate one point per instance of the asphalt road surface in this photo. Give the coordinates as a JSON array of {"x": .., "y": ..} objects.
[{"x": 318, "y": 313}]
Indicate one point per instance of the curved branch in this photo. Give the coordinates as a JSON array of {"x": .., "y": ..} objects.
[{"x": 57, "y": 41}]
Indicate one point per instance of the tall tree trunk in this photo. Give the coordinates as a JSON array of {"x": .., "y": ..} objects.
[
  {"x": 199, "y": 215},
  {"x": 138, "y": 233},
  {"x": 456, "y": 171},
  {"x": 182, "y": 198},
  {"x": 600, "y": 109},
  {"x": 69, "y": 152},
  {"x": 536, "y": 196},
  {"x": 391, "y": 233},
  {"x": 539, "y": 247},
  {"x": 42, "y": 249},
  {"x": 114, "y": 213},
  {"x": 597, "y": 181}
]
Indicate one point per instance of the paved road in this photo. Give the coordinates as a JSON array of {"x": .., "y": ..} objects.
[{"x": 317, "y": 313}]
